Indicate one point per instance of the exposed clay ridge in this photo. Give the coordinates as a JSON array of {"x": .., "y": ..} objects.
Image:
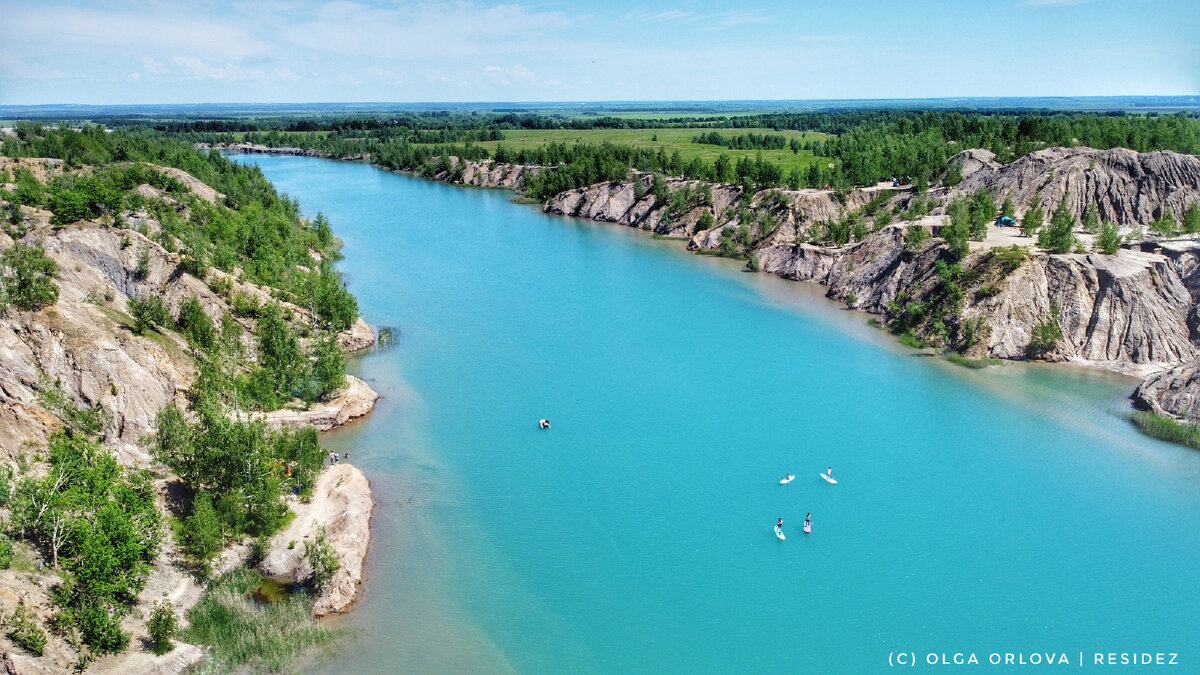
[{"x": 1128, "y": 188}]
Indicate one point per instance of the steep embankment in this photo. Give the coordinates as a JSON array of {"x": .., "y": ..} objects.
[
  {"x": 1128, "y": 188},
  {"x": 81, "y": 353}
]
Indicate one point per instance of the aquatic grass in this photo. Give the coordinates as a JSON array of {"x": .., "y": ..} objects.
[
  {"x": 910, "y": 340},
  {"x": 245, "y": 634},
  {"x": 966, "y": 362},
  {"x": 1167, "y": 429}
]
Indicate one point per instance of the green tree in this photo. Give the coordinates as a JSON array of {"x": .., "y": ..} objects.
[
  {"x": 163, "y": 625},
  {"x": 957, "y": 231},
  {"x": 1032, "y": 222},
  {"x": 1091, "y": 218},
  {"x": 202, "y": 535},
  {"x": 279, "y": 352},
  {"x": 724, "y": 169},
  {"x": 1191, "y": 219},
  {"x": 1008, "y": 208},
  {"x": 982, "y": 213},
  {"x": 148, "y": 311},
  {"x": 329, "y": 365},
  {"x": 1059, "y": 236},
  {"x": 27, "y": 274},
  {"x": 321, "y": 558},
  {"x": 1109, "y": 241},
  {"x": 195, "y": 325}
]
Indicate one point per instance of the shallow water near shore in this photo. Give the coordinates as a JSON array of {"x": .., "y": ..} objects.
[{"x": 1010, "y": 509}]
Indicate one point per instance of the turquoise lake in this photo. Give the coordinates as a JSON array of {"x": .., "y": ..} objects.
[{"x": 1009, "y": 510}]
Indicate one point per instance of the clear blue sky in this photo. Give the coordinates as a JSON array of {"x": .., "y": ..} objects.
[{"x": 183, "y": 51}]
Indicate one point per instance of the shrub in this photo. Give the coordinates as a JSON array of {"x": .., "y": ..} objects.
[
  {"x": 195, "y": 325},
  {"x": 148, "y": 311},
  {"x": 26, "y": 274},
  {"x": 1165, "y": 225},
  {"x": 6, "y": 552},
  {"x": 162, "y": 626},
  {"x": 24, "y": 630},
  {"x": 1046, "y": 336},
  {"x": 1109, "y": 241},
  {"x": 915, "y": 237},
  {"x": 321, "y": 558}
]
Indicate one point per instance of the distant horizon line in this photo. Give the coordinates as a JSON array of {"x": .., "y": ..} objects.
[{"x": 1194, "y": 98}]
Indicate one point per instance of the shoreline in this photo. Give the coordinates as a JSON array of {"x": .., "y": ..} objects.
[{"x": 593, "y": 203}]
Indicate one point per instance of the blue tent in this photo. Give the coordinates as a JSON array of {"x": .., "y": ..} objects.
[{"x": 1005, "y": 221}]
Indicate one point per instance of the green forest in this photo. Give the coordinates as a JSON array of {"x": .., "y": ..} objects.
[{"x": 843, "y": 149}]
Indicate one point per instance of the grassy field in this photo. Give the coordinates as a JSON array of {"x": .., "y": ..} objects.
[{"x": 669, "y": 140}]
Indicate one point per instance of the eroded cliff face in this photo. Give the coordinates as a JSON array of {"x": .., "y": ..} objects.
[
  {"x": 83, "y": 345},
  {"x": 619, "y": 202},
  {"x": 1128, "y": 188}
]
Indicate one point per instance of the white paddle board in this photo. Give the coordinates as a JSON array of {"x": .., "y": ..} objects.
[
  {"x": 828, "y": 479},
  {"x": 779, "y": 533},
  {"x": 787, "y": 479}
]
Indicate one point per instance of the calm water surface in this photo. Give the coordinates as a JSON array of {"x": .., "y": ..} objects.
[{"x": 1005, "y": 510}]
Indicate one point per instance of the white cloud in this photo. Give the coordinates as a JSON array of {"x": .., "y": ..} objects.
[
  {"x": 205, "y": 71},
  {"x": 153, "y": 66}
]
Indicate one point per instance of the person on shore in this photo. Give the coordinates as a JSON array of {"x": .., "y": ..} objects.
[{"x": 336, "y": 458}]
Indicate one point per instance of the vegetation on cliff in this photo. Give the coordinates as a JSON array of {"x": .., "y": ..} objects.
[{"x": 93, "y": 522}]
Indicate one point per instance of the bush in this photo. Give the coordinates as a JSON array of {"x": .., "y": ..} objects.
[
  {"x": 162, "y": 626},
  {"x": 1109, "y": 241},
  {"x": 24, "y": 630},
  {"x": 6, "y": 552},
  {"x": 915, "y": 237},
  {"x": 148, "y": 311},
  {"x": 244, "y": 305},
  {"x": 195, "y": 325},
  {"x": 202, "y": 535},
  {"x": 1046, "y": 336},
  {"x": 1165, "y": 225},
  {"x": 321, "y": 558},
  {"x": 26, "y": 274}
]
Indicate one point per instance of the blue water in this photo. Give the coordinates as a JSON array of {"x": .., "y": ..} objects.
[{"x": 1005, "y": 510}]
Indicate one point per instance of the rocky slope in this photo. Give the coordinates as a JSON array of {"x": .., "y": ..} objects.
[
  {"x": 1128, "y": 188},
  {"x": 82, "y": 350}
]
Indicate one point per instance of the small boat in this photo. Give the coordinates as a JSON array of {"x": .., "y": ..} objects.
[
  {"x": 787, "y": 479},
  {"x": 807, "y": 527}
]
